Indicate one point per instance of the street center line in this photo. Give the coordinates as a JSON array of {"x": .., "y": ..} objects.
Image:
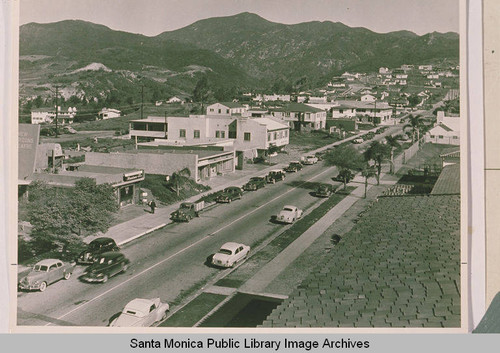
[{"x": 186, "y": 248}]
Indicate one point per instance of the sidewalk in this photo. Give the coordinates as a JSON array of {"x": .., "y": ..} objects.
[{"x": 139, "y": 226}]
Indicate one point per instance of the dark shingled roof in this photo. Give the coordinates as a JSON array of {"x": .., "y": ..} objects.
[
  {"x": 448, "y": 182},
  {"x": 298, "y": 107},
  {"x": 398, "y": 267}
]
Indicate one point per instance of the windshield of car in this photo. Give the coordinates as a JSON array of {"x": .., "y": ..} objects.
[
  {"x": 288, "y": 209},
  {"x": 225, "y": 252},
  {"x": 94, "y": 246},
  {"x": 40, "y": 268}
]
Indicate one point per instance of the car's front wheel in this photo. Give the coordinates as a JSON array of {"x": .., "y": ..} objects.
[{"x": 43, "y": 286}]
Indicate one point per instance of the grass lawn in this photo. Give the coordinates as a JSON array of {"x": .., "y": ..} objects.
[
  {"x": 311, "y": 140},
  {"x": 195, "y": 311},
  {"x": 162, "y": 192}
]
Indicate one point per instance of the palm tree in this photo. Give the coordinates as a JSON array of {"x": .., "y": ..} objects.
[
  {"x": 393, "y": 143},
  {"x": 179, "y": 178},
  {"x": 377, "y": 152},
  {"x": 415, "y": 123},
  {"x": 367, "y": 172}
]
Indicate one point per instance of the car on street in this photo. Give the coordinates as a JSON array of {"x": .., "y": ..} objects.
[
  {"x": 229, "y": 194},
  {"x": 141, "y": 313},
  {"x": 309, "y": 160},
  {"x": 358, "y": 140},
  {"x": 44, "y": 273},
  {"x": 230, "y": 254},
  {"x": 275, "y": 175},
  {"x": 289, "y": 214},
  {"x": 107, "y": 265},
  {"x": 294, "y": 167},
  {"x": 95, "y": 248},
  {"x": 255, "y": 183},
  {"x": 187, "y": 211},
  {"x": 324, "y": 190}
]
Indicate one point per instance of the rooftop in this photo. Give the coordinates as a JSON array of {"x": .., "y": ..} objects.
[
  {"x": 298, "y": 107},
  {"x": 448, "y": 182},
  {"x": 398, "y": 267}
]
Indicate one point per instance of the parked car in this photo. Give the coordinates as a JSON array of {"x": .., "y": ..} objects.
[
  {"x": 107, "y": 265},
  {"x": 95, "y": 248},
  {"x": 324, "y": 190},
  {"x": 141, "y": 313},
  {"x": 275, "y": 175},
  {"x": 229, "y": 194},
  {"x": 187, "y": 211},
  {"x": 229, "y": 254},
  {"x": 309, "y": 160},
  {"x": 44, "y": 273},
  {"x": 358, "y": 140},
  {"x": 293, "y": 167},
  {"x": 289, "y": 214},
  {"x": 255, "y": 183}
]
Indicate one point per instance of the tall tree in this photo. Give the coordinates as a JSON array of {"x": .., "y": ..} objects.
[
  {"x": 367, "y": 172},
  {"x": 201, "y": 91},
  {"x": 393, "y": 143},
  {"x": 347, "y": 159},
  {"x": 180, "y": 178},
  {"x": 378, "y": 153},
  {"x": 415, "y": 124},
  {"x": 61, "y": 217}
]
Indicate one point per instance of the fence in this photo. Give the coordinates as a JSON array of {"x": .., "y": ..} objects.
[{"x": 407, "y": 154}]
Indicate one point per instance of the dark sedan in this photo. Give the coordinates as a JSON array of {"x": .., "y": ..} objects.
[
  {"x": 255, "y": 183},
  {"x": 107, "y": 265},
  {"x": 229, "y": 194}
]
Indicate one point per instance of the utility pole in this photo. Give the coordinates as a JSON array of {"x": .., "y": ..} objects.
[
  {"x": 57, "y": 111},
  {"x": 142, "y": 101}
]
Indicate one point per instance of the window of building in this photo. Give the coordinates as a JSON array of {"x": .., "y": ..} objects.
[
  {"x": 182, "y": 133},
  {"x": 227, "y": 111},
  {"x": 156, "y": 127},
  {"x": 440, "y": 136},
  {"x": 246, "y": 136},
  {"x": 196, "y": 134},
  {"x": 139, "y": 126},
  {"x": 275, "y": 135},
  {"x": 223, "y": 134},
  {"x": 432, "y": 136},
  {"x": 217, "y": 133},
  {"x": 268, "y": 136},
  {"x": 219, "y": 111},
  {"x": 455, "y": 137},
  {"x": 232, "y": 134}
]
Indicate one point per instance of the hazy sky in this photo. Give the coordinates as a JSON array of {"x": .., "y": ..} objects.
[{"x": 151, "y": 17}]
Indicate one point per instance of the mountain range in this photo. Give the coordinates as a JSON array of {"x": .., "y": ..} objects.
[{"x": 243, "y": 52}]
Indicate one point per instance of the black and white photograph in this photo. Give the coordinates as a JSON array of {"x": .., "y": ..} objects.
[{"x": 240, "y": 164}]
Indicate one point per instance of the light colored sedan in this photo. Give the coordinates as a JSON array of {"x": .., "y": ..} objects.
[
  {"x": 141, "y": 313},
  {"x": 289, "y": 214},
  {"x": 230, "y": 254},
  {"x": 309, "y": 160},
  {"x": 44, "y": 273}
]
